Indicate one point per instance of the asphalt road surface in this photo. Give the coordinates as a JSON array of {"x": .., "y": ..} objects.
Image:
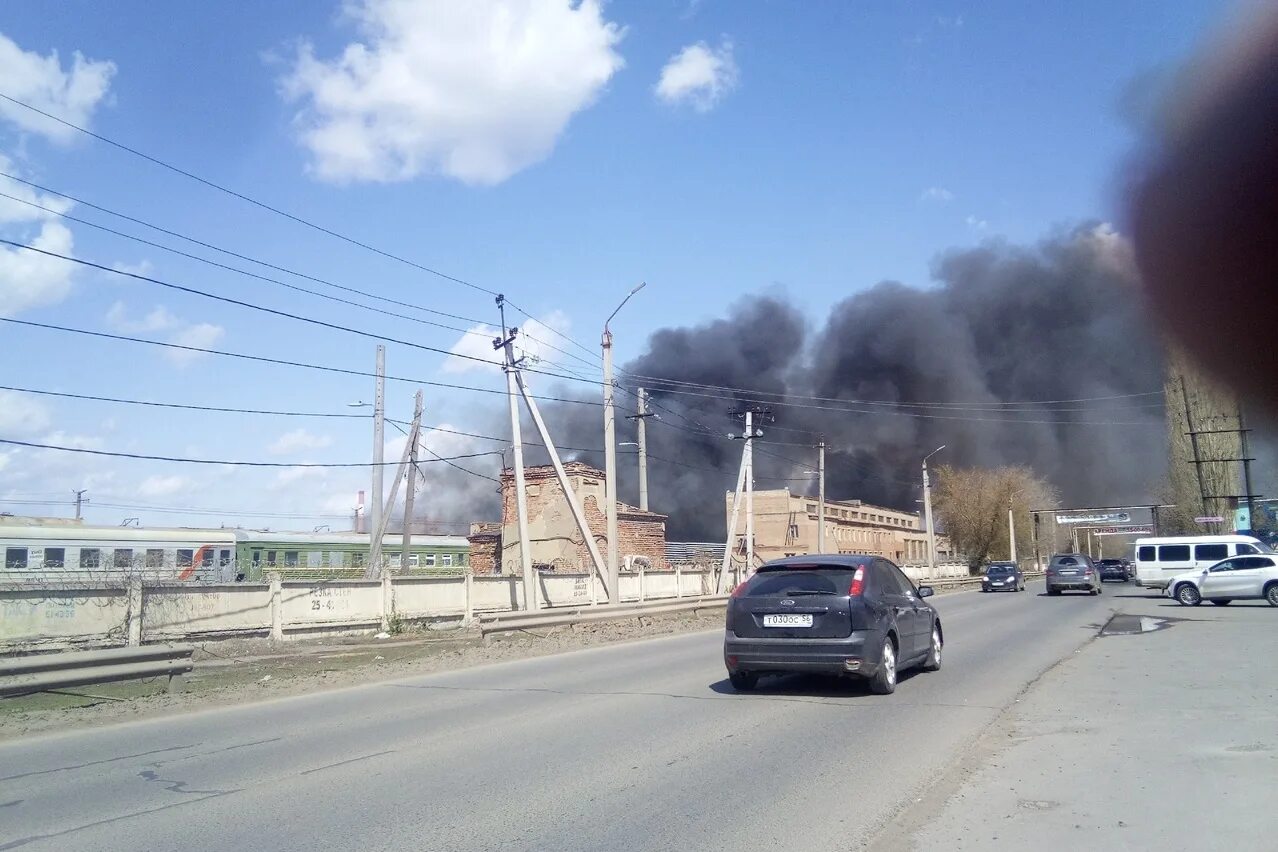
[{"x": 637, "y": 746}]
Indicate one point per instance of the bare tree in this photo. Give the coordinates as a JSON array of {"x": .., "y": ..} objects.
[
  {"x": 972, "y": 504},
  {"x": 1192, "y": 398}
]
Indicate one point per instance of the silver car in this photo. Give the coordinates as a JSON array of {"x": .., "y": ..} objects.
[{"x": 1072, "y": 572}]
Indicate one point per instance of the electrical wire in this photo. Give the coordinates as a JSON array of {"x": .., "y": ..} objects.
[
  {"x": 280, "y": 361},
  {"x": 146, "y": 457},
  {"x": 211, "y": 246}
]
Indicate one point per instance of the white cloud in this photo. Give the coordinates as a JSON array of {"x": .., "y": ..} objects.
[
  {"x": 201, "y": 335},
  {"x": 29, "y": 280},
  {"x": 298, "y": 440},
  {"x": 531, "y": 342},
  {"x": 40, "y": 81},
  {"x": 698, "y": 75},
  {"x": 164, "y": 486},
  {"x": 976, "y": 224},
  {"x": 21, "y": 415},
  {"x": 291, "y": 476},
  {"x": 159, "y": 319},
  {"x": 15, "y": 212},
  {"x": 475, "y": 91},
  {"x": 937, "y": 193}
]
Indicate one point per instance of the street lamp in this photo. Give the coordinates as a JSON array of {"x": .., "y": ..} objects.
[
  {"x": 610, "y": 452},
  {"x": 927, "y": 511}
]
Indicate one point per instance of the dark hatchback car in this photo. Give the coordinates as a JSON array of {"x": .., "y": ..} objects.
[
  {"x": 1113, "y": 569},
  {"x": 1003, "y": 577},
  {"x": 845, "y": 615}
]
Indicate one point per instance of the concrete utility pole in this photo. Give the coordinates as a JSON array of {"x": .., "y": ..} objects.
[
  {"x": 1011, "y": 528},
  {"x": 379, "y": 450},
  {"x": 1249, "y": 495},
  {"x": 927, "y": 515},
  {"x": 730, "y": 542},
  {"x": 413, "y": 435},
  {"x": 610, "y": 455},
  {"x": 749, "y": 484},
  {"x": 511, "y": 367},
  {"x": 641, "y": 417},
  {"x": 821, "y": 497},
  {"x": 79, "y": 499}
]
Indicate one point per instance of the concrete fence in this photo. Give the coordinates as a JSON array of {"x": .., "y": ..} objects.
[{"x": 104, "y": 615}]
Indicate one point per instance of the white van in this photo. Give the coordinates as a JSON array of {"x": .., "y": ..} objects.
[{"x": 1160, "y": 559}]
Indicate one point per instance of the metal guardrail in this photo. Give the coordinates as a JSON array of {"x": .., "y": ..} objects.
[
  {"x": 562, "y": 616},
  {"x": 52, "y": 672}
]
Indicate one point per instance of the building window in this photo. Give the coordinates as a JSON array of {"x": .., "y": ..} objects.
[
  {"x": 55, "y": 557},
  {"x": 154, "y": 557},
  {"x": 185, "y": 558},
  {"x": 812, "y": 507},
  {"x": 90, "y": 557},
  {"x": 794, "y": 530},
  {"x": 15, "y": 558},
  {"x": 123, "y": 557}
]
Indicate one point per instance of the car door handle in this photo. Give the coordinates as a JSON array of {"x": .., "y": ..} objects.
[{"x": 900, "y": 610}]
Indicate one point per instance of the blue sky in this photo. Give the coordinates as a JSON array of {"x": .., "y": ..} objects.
[{"x": 811, "y": 150}]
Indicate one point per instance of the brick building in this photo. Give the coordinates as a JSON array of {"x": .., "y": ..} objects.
[
  {"x": 556, "y": 543},
  {"x": 785, "y": 524}
]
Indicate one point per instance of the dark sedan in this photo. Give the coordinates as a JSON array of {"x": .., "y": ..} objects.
[
  {"x": 1003, "y": 577},
  {"x": 848, "y": 615}
]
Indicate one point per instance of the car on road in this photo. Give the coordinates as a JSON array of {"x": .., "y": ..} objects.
[
  {"x": 1113, "y": 569},
  {"x": 850, "y": 615},
  {"x": 1003, "y": 577},
  {"x": 1233, "y": 579},
  {"x": 1072, "y": 572}
]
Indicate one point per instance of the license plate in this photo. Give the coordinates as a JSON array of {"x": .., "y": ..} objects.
[{"x": 787, "y": 621}]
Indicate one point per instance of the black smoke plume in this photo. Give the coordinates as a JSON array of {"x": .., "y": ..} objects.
[{"x": 905, "y": 370}]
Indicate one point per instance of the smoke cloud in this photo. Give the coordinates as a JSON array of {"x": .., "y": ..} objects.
[{"x": 1003, "y": 324}]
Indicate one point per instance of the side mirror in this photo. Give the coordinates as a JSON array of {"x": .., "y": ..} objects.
[{"x": 926, "y": 591}]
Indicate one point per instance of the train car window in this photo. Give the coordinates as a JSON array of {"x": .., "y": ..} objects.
[
  {"x": 414, "y": 559},
  {"x": 154, "y": 557},
  {"x": 185, "y": 558},
  {"x": 55, "y": 557},
  {"x": 90, "y": 557},
  {"x": 206, "y": 558},
  {"x": 270, "y": 557},
  {"x": 15, "y": 558},
  {"x": 430, "y": 560},
  {"x": 446, "y": 559},
  {"x": 357, "y": 560},
  {"x": 290, "y": 558},
  {"x": 224, "y": 558},
  {"x": 315, "y": 558},
  {"x": 123, "y": 557}
]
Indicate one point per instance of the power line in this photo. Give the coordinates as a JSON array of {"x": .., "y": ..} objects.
[
  {"x": 174, "y": 510},
  {"x": 278, "y": 361},
  {"x": 245, "y": 272},
  {"x": 242, "y": 197},
  {"x": 182, "y": 406},
  {"x": 145, "y": 457},
  {"x": 449, "y": 462}
]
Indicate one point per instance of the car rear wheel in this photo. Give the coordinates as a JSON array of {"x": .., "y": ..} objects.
[
  {"x": 1271, "y": 594},
  {"x": 743, "y": 681},
  {"x": 884, "y": 680},
  {"x": 933, "y": 661},
  {"x": 1221, "y": 601},
  {"x": 1188, "y": 595}
]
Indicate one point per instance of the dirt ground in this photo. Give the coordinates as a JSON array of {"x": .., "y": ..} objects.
[{"x": 244, "y": 670}]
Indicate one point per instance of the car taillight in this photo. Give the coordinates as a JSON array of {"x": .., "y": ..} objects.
[
  {"x": 858, "y": 584},
  {"x": 740, "y": 589}
]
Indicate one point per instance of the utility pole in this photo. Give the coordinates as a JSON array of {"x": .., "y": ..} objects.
[
  {"x": 379, "y": 450},
  {"x": 79, "y": 499},
  {"x": 821, "y": 496},
  {"x": 1038, "y": 556},
  {"x": 641, "y": 416},
  {"x": 610, "y": 469},
  {"x": 511, "y": 367},
  {"x": 927, "y": 512},
  {"x": 411, "y": 474},
  {"x": 610, "y": 454},
  {"x": 1243, "y": 432},
  {"x": 730, "y": 542},
  {"x": 749, "y": 486},
  {"x": 1011, "y": 528}
]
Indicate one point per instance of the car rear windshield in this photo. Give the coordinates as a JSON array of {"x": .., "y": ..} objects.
[
  {"x": 1065, "y": 560},
  {"x": 1111, "y": 563},
  {"x": 999, "y": 569},
  {"x": 833, "y": 580}
]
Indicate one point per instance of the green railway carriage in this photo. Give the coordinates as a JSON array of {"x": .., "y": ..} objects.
[{"x": 307, "y": 555}]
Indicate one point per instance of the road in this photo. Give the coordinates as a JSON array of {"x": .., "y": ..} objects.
[{"x": 637, "y": 746}]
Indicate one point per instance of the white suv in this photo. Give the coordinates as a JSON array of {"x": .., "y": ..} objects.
[{"x": 1237, "y": 578}]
